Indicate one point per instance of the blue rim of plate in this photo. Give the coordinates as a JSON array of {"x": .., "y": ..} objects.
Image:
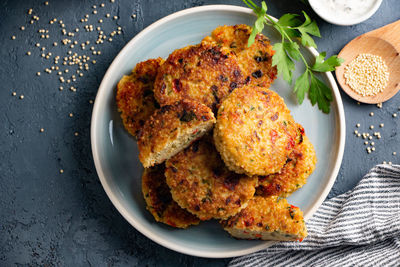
[{"x": 101, "y": 94}]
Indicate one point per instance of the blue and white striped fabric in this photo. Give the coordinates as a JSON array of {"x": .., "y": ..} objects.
[{"x": 358, "y": 228}]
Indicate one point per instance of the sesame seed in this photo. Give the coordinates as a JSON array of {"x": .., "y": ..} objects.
[
  {"x": 76, "y": 133},
  {"x": 107, "y": 15},
  {"x": 46, "y": 3},
  {"x": 41, "y": 130},
  {"x": 94, "y": 11},
  {"x": 359, "y": 135},
  {"x": 61, "y": 171},
  {"x": 394, "y": 115},
  {"x": 100, "y": 21},
  {"x": 71, "y": 115},
  {"x": 371, "y": 114},
  {"x": 133, "y": 16},
  {"x": 61, "y": 88},
  {"x": 358, "y": 125},
  {"x": 22, "y": 28},
  {"x": 21, "y": 97},
  {"x": 37, "y": 44},
  {"x": 94, "y": 6},
  {"x": 381, "y": 125},
  {"x": 115, "y": 17},
  {"x": 30, "y": 11},
  {"x": 372, "y": 143},
  {"x": 371, "y": 127},
  {"x": 28, "y": 53},
  {"x": 102, "y": 4},
  {"x": 394, "y": 153},
  {"x": 38, "y": 73},
  {"x": 367, "y": 74},
  {"x": 366, "y": 143},
  {"x": 14, "y": 93},
  {"x": 373, "y": 148},
  {"x": 370, "y": 138},
  {"x": 13, "y": 37}
]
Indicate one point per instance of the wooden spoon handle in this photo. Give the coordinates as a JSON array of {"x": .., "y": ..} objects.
[{"x": 389, "y": 33}]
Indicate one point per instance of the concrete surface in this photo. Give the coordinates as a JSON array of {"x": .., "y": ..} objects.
[{"x": 53, "y": 219}]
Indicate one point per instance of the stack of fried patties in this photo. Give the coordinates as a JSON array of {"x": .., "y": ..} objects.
[{"x": 215, "y": 142}]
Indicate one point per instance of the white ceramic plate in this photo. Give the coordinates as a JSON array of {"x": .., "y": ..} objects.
[{"x": 115, "y": 152}]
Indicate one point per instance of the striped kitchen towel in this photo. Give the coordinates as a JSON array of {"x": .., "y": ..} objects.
[{"x": 358, "y": 228}]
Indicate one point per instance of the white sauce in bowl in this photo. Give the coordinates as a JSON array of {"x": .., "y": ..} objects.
[{"x": 345, "y": 12}]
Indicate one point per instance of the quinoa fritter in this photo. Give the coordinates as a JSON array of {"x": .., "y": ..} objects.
[
  {"x": 159, "y": 201},
  {"x": 255, "y": 61},
  {"x": 267, "y": 218},
  {"x": 135, "y": 97},
  {"x": 172, "y": 128},
  {"x": 255, "y": 132},
  {"x": 203, "y": 72},
  {"x": 300, "y": 164},
  {"x": 201, "y": 183}
]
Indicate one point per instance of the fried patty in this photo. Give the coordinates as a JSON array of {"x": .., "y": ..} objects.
[
  {"x": 255, "y": 132},
  {"x": 267, "y": 218},
  {"x": 255, "y": 61},
  {"x": 201, "y": 183},
  {"x": 159, "y": 201},
  {"x": 300, "y": 164},
  {"x": 171, "y": 129},
  {"x": 135, "y": 97},
  {"x": 205, "y": 73}
]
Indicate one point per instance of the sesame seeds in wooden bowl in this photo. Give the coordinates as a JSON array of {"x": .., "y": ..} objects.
[{"x": 370, "y": 72}]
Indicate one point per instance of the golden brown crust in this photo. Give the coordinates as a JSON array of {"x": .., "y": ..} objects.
[
  {"x": 159, "y": 201},
  {"x": 255, "y": 61},
  {"x": 255, "y": 132},
  {"x": 267, "y": 218},
  {"x": 201, "y": 183},
  {"x": 300, "y": 164},
  {"x": 135, "y": 97},
  {"x": 172, "y": 128},
  {"x": 204, "y": 73}
]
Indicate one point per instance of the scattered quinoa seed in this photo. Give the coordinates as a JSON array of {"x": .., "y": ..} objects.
[
  {"x": 358, "y": 125},
  {"x": 13, "y": 37},
  {"x": 61, "y": 171},
  {"x": 381, "y": 125},
  {"x": 28, "y": 53},
  {"x": 21, "y": 97},
  {"x": 41, "y": 130},
  {"x": 14, "y": 93},
  {"x": 394, "y": 115},
  {"x": 371, "y": 114},
  {"x": 394, "y": 153}
]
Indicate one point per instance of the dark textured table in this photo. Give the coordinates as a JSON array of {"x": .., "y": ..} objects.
[{"x": 53, "y": 218}]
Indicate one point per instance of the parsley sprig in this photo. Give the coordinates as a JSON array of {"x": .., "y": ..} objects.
[{"x": 292, "y": 29}]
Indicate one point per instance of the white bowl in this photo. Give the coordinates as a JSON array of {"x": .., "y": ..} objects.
[
  {"x": 115, "y": 152},
  {"x": 333, "y": 17}
]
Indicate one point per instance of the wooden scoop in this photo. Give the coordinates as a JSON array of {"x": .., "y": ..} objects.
[{"x": 383, "y": 42}]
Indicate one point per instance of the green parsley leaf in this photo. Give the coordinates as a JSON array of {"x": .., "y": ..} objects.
[
  {"x": 292, "y": 49},
  {"x": 283, "y": 62},
  {"x": 320, "y": 93},
  {"x": 291, "y": 29},
  {"x": 301, "y": 86},
  {"x": 259, "y": 24},
  {"x": 310, "y": 26},
  {"x": 329, "y": 64},
  {"x": 306, "y": 39},
  {"x": 289, "y": 20}
]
